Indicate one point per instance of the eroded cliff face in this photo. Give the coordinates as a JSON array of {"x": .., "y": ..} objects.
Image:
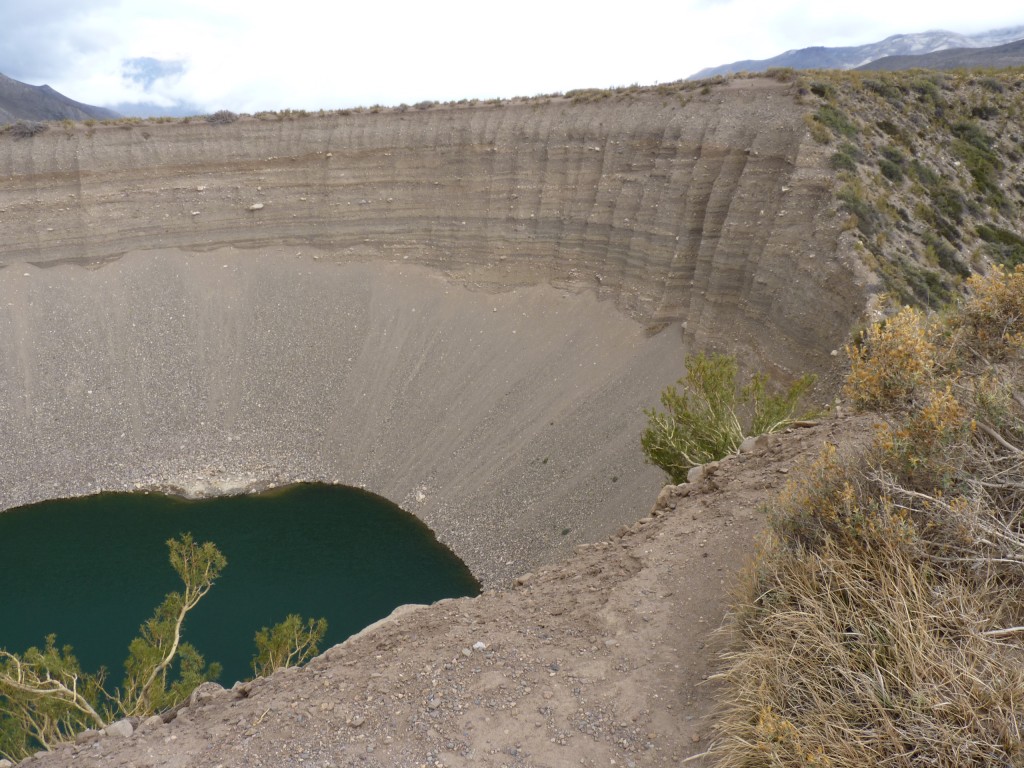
[{"x": 464, "y": 309}]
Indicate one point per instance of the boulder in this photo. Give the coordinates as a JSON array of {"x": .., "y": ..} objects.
[
  {"x": 122, "y": 729},
  {"x": 754, "y": 444}
]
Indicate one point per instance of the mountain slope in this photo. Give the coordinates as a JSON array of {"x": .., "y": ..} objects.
[
  {"x": 996, "y": 57},
  {"x": 21, "y": 101},
  {"x": 928, "y": 173},
  {"x": 851, "y": 57}
]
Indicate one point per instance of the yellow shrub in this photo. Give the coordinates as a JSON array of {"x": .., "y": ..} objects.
[
  {"x": 780, "y": 743},
  {"x": 894, "y": 360},
  {"x": 837, "y": 501},
  {"x": 994, "y": 314},
  {"x": 919, "y": 448}
]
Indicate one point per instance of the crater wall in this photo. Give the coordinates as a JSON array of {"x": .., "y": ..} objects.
[{"x": 464, "y": 309}]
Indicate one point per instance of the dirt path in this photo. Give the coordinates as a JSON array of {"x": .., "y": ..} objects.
[{"x": 601, "y": 660}]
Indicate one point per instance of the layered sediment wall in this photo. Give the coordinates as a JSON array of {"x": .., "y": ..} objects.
[{"x": 464, "y": 309}]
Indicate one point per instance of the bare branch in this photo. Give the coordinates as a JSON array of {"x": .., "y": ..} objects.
[
  {"x": 996, "y": 436},
  {"x": 1003, "y": 632}
]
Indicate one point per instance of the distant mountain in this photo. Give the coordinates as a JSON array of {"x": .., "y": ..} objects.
[
  {"x": 996, "y": 57},
  {"x": 21, "y": 101},
  {"x": 853, "y": 57}
]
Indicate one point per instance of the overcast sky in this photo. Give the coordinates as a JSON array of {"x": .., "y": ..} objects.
[{"x": 248, "y": 55}]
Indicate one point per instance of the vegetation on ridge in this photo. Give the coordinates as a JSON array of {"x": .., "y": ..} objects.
[
  {"x": 929, "y": 172},
  {"x": 46, "y": 698},
  {"x": 883, "y": 620},
  {"x": 710, "y": 417}
]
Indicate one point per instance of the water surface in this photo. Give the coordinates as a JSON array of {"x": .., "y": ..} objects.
[{"x": 93, "y": 569}]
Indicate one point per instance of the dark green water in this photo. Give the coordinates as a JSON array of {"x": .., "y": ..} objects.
[{"x": 93, "y": 569}]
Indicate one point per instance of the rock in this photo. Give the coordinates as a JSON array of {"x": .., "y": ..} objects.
[
  {"x": 89, "y": 734},
  {"x": 754, "y": 444},
  {"x": 151, "y": 722},
  {"x": 255, "y": 206},
  {"x": 6, "y": 764},
  {"x": 479, "y": 646},
  {"x": 204, "y": 693},
  {"x": 122, "y": 729},
  {"x": 356, "y": 721},
  {"x": 466, "y": 652},
  {"x": 664, "y": 497},
  {"x": 701, "y": 472},
  {"x": 523, "y": 580}
]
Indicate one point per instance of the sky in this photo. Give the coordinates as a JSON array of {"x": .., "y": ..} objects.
[{"x": 198, "y": 56}]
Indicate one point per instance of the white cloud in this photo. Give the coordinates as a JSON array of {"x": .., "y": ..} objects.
[{"x": 255, "y": 54}]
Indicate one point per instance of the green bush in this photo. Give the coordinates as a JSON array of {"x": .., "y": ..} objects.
[
  {"x": 288, "y": 644},
  {"x": 841, "y": 161},
  {"x": 824, "y": 90},
  {"x": 890, "y": 170},
  {"x": 1006, "y": 246},
  {"x": 782, "y": 74},
  {"x": 949, "y": 201},
  {"x": 705, "y": 421},
  {"x": 846, "y": 157},
  {"x": 222, "y": 117},
  {"x": 46, "y": 698},
  {"x": 945, "y": 255},
  {"x": 886, "y": 90},
  {"x": 836, "y": 121},
  {"x": 868, "y": 219}
]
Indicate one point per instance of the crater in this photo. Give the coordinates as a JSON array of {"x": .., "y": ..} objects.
[{"x": 465, "y": 310}]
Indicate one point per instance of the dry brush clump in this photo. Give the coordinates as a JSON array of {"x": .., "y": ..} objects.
[
  {"x": 222, "y": 117},
  {"x": 26, "y": 129},
  {"x": 883, "y": 620}
]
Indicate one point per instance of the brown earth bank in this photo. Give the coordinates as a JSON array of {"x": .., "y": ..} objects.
[
  {"x": 464, "y": 309},
  {"x": 605, "y": 659}
]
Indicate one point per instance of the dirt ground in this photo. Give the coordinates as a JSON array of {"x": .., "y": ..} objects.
[{"x": 606, "y": 659}]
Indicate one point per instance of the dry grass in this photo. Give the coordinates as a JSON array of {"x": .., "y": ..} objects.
[
  {"x": 24, "y": 129},
  {"x": 864, "y": 659},
  {"x": 883, "y": 622}
]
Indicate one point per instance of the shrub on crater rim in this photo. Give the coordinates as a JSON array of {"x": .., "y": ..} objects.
[{"x": 705, "y": 421}]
